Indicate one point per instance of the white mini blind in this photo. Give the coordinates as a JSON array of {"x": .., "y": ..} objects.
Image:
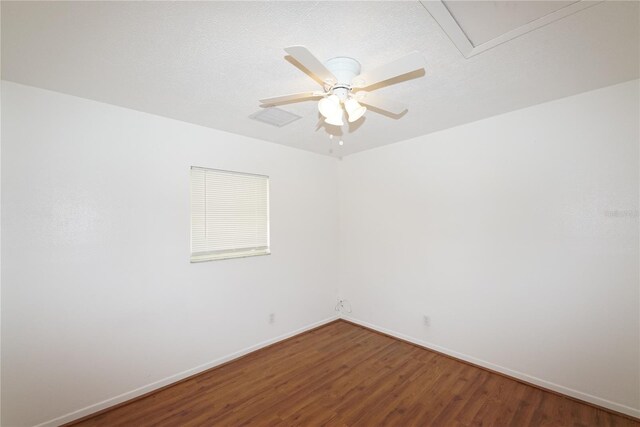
[{"x": 229, "y": 214}]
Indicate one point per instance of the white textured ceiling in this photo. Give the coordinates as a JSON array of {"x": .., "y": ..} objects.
[{"x": 209, "y": 62}]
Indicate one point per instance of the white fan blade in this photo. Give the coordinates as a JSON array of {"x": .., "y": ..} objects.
[
  {"x": 311, "y": 63},
  {"x": 292, "y": 97},
  {"x": 404, "y": 65},
  {"x": 379, "y": 102}
]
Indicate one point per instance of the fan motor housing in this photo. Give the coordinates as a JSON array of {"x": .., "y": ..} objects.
[{"x": 345, "y": 69}]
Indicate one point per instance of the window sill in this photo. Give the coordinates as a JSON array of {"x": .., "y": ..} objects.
[{"x": 228, "y": 255}]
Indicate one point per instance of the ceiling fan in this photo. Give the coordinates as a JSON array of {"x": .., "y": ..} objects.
[{"x": 343, "y": 83}]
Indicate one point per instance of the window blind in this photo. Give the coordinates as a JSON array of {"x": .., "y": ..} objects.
[{"x": 229, "y": 214}]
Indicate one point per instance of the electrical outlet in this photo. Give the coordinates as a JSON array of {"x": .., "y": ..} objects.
[
  {"x": 426, "y": 320},
  {"x": 272, "y": 318},
  {"x": 343, "y": 306}
]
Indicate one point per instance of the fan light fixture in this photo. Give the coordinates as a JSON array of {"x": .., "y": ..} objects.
[{"x": 331, "y": 109}]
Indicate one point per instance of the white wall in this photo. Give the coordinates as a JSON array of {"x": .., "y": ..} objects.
[
  {"x": 98, "y": 295},
  {"x": 517, "y": 235},
  {"x": 504, "y": 232}
]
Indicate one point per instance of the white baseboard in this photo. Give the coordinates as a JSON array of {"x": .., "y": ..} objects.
[
  {"x": 515, "y": 374},
  {"x": 91, "y": 409}
]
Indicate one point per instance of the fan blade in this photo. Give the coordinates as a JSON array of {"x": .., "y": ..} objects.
[
  {"x": 302, "y": 96},
  {"x": 404, "y": 65},
  {"x": 379, "y": 102},
  {"x": 311, "y": 63}
]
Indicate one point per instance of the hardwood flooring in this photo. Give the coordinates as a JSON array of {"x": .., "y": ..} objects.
[{"x": 345, "y": 375}]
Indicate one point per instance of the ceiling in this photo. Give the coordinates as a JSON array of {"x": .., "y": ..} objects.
[{"x": 209, "y": 62}]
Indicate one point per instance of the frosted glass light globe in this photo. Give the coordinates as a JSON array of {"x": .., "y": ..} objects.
[
  {"x": 336, "y": 119},
  {"x": 354, "y": 109},
  {"x": 329, "y": 106}
]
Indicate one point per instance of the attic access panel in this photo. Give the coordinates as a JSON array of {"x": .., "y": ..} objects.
[{"x": 476, "y": 26}]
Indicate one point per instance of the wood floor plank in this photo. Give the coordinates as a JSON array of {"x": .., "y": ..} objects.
[{"x": 346, "y": 375}]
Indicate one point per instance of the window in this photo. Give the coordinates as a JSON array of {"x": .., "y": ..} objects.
[{"x": 229, "y": 214}]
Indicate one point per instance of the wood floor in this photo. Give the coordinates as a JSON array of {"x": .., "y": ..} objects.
[{"x": 345, "y": 375}]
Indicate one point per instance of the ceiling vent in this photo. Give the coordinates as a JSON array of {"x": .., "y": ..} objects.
[{"x": 274, "y": 116}]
